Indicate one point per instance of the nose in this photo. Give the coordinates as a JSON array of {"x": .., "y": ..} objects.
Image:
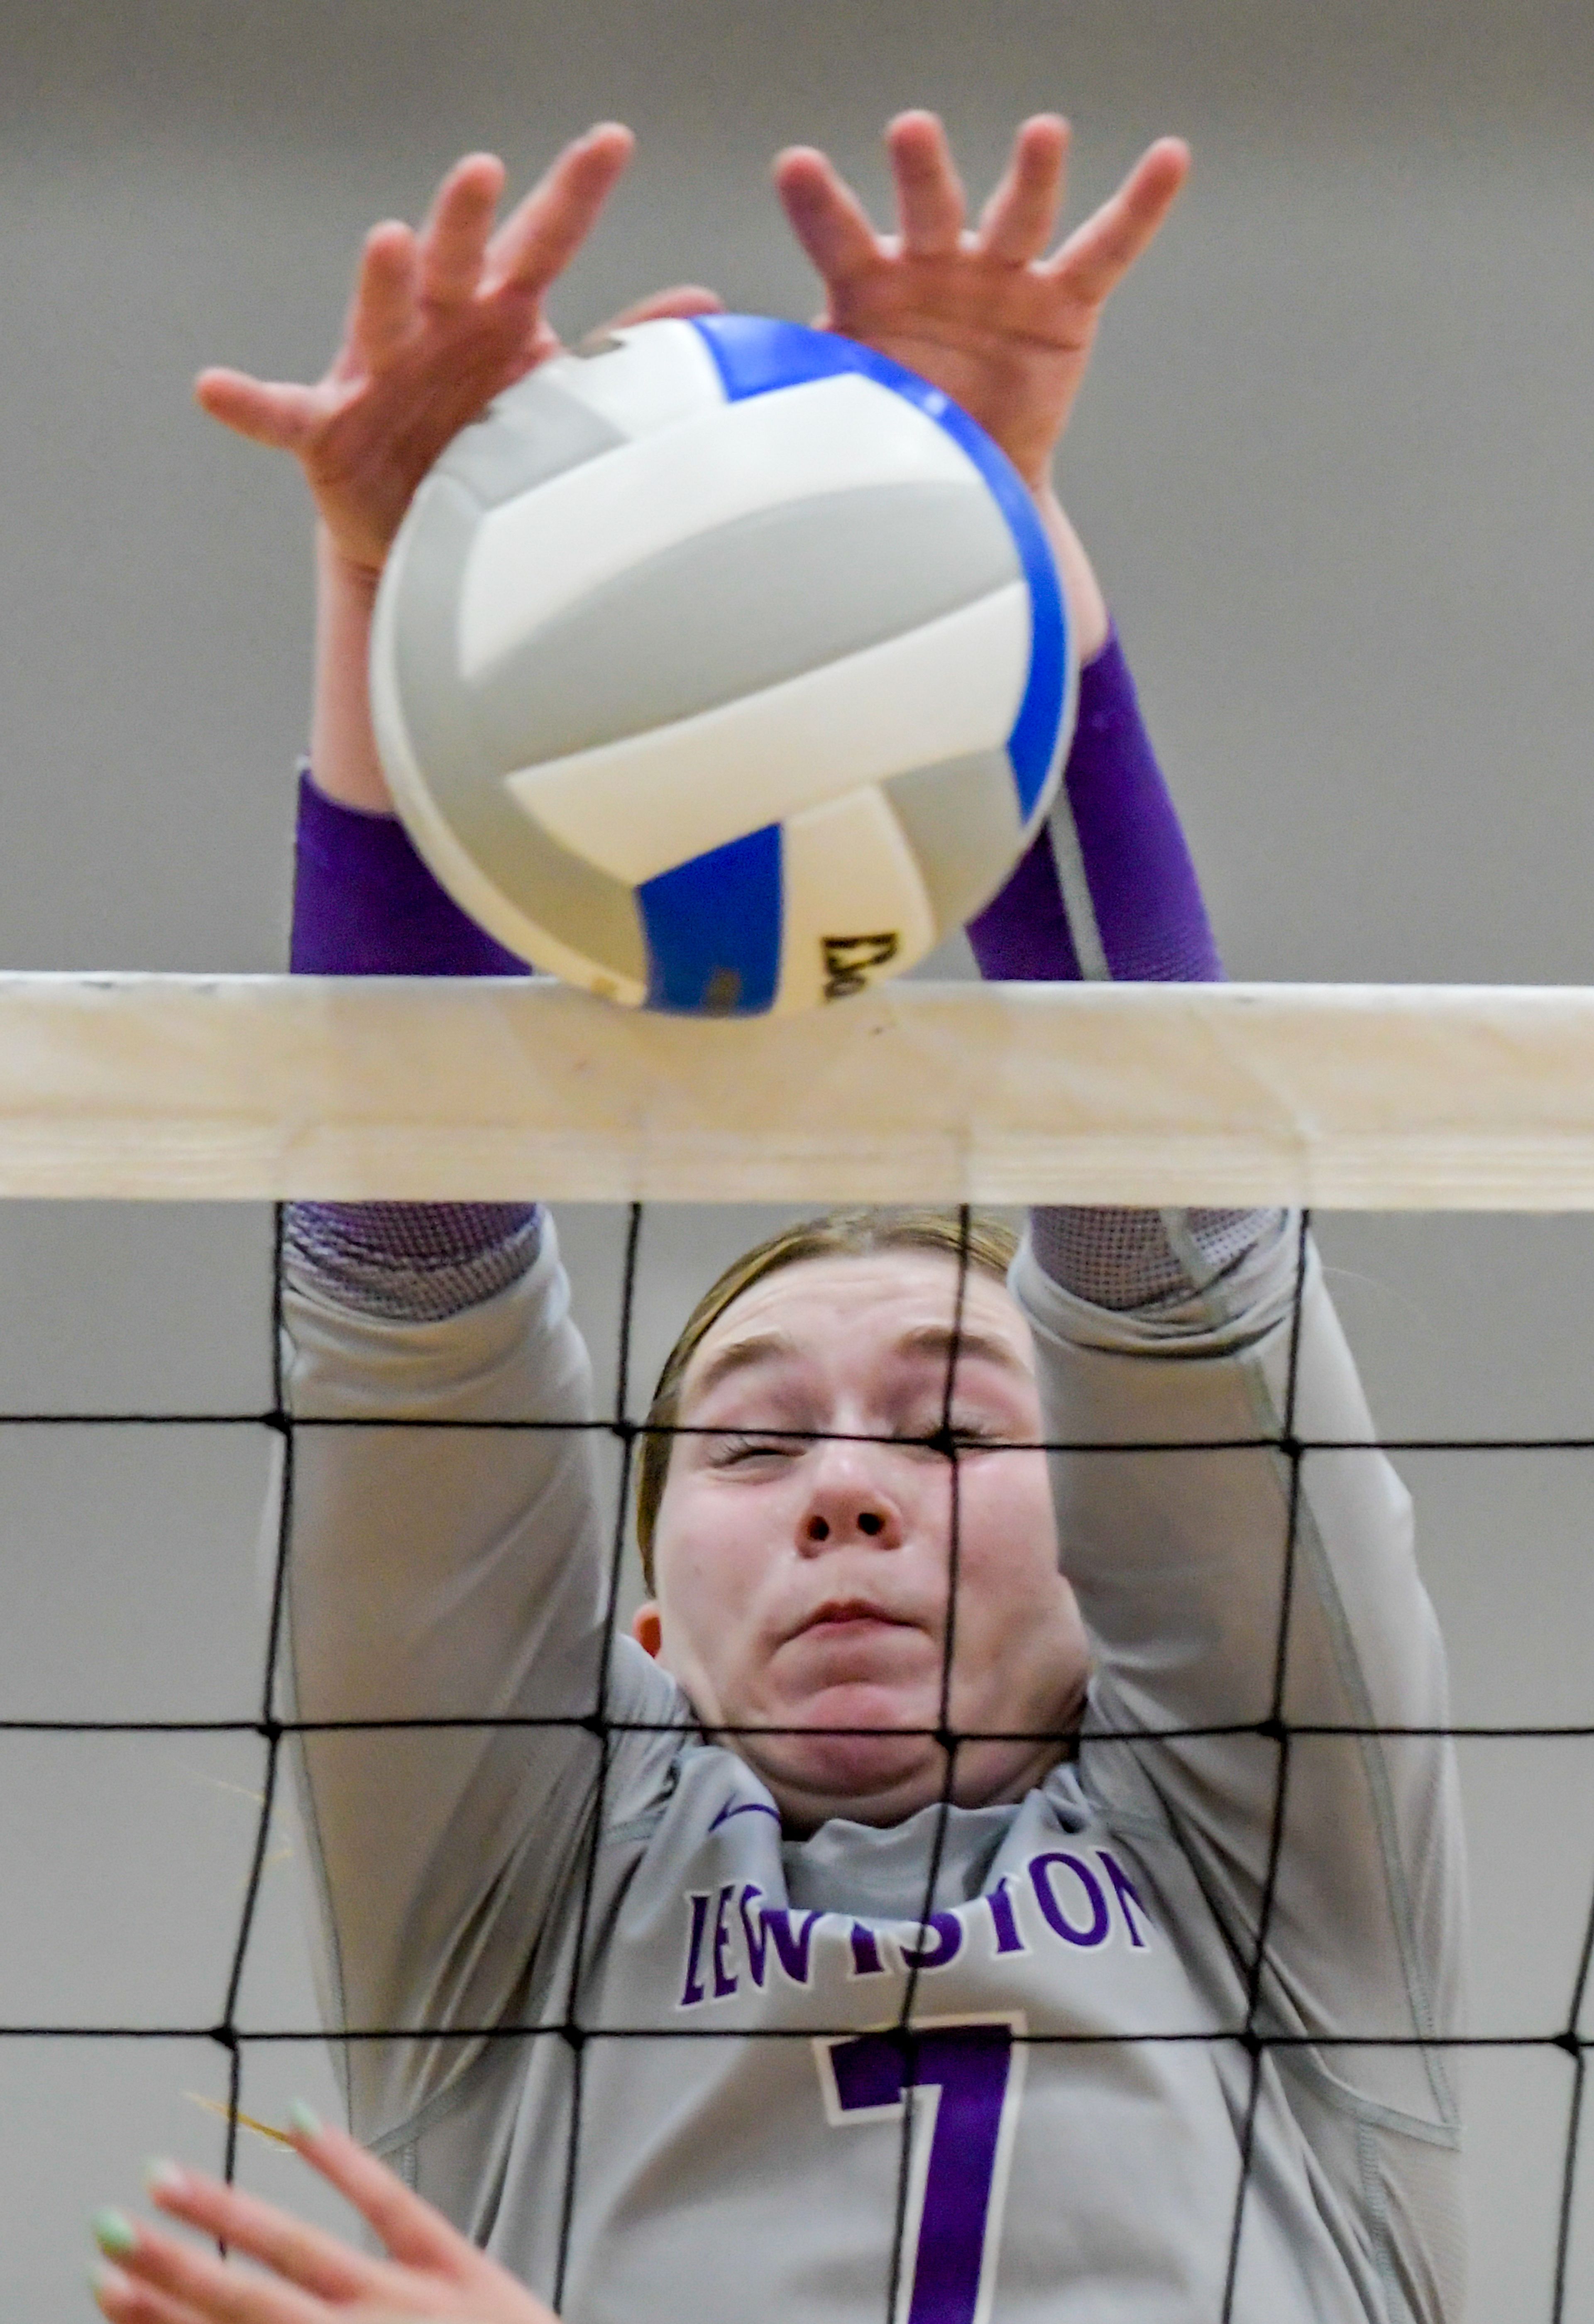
[{"x": 843, "y": 1509}]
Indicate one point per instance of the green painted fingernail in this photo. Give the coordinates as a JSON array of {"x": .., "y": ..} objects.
[
  {"x": 114, "y": 2233},
  {"x": 304, "y": 2119}
]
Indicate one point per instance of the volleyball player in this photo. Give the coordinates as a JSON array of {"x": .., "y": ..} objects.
[{"x": 782, "y": 1846}]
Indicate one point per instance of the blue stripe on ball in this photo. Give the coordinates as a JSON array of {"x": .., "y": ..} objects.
[
  {"x": 713, "y": 926},
  {"x": 755, "y": 354},
  {"x": 1032, "y": 746}
]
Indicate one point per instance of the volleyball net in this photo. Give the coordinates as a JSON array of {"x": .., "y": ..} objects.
[{"x": 1342, "y": 1099}]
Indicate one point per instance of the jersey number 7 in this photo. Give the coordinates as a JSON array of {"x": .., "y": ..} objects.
[{"x": 961, "y": 2077}]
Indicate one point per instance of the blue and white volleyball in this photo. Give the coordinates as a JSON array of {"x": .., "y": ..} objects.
[{"x": 723, "y": 669}]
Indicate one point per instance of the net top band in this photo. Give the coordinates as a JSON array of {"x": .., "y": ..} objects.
[{"x": 268, "y": 1087}]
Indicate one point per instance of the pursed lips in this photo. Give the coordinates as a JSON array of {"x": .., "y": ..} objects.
[{"x": 852, "y": 1613}]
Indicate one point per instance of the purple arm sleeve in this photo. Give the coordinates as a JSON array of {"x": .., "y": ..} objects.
[
  {"x": 1108, "y": 891},
  {"x": 366, "y": 905},
  {"x": 1108, "y": 888}
]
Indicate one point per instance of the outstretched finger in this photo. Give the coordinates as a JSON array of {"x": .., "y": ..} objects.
[
  {"x": 276, "y": 414},
  {"x": 381, "y": 313},
  {"x": 930, "y": 202},
  {"x": 409, "y": 2228},
  {"x": 305, "y": 2255},
  {"x": 1016, "y": 222},
  {"x": 824, "y": 214},
  {"x": 124, "y": 2301},
  {"x": 1097, "y": 256},
  {"x": 190, "y": 2281},
  {"x": 544, "y": 232},
  {"x": 454, "y": 240}
]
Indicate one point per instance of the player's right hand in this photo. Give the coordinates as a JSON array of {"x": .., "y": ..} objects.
[
  {"x": 432, "y": 2274},
  {"x": 441, "y": 321}
]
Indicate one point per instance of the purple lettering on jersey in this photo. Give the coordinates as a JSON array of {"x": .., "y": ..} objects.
[
  {"x": 976, "y": 2068},
  {"x": 693, "y": 1990},
  {"x": 1005, "y": 1921},
  {"x": 764, "y": 1925},
  {"x": 791, "y": 1938},
  {"x": 755, "y": 1933},
  {"x": 1093, "y": 1932},
  {"x": 1128, "y": 1895},
  {"x": 725, "y": 1980},
  {"x": 944, "y": 1932},
  {"x": 866, "y": 1951}
]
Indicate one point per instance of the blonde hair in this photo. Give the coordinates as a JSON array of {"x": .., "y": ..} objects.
[{"x": 990, "y": 1245}]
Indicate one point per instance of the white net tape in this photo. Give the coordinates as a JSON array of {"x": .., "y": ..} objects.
[{"x": 1346, "y": 1097}]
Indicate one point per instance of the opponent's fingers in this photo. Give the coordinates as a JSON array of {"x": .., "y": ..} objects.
[
  {"x": 824, "y": 214},
  {"x": 305, "y": 2255},
  {"x": 1097, "y": 256},
  {"x": 544, "y": 232},
  {"x": 277, "y": 414},
  {"x": 930, "y": 201},
  {"x": 381, "y": 313},
  {"x": 1017, "y": 222},
  {"x": 684, "y": 300},
  {"x": 194, "y": 2281},
  {"x": 124, "y": 2301},
  {"x": 454, "y": 240},
  {"x": 409, "y": 2228}
]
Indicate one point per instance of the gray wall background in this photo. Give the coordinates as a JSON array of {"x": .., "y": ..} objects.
[{"x": 1335, "y": 464}]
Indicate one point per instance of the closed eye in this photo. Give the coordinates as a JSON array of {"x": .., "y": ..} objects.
[
  {"x": 741, "y": 1451},
  {"x": 969, "y": 1431}
]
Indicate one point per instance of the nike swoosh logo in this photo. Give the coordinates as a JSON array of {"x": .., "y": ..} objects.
[{"x": 744, "y": 1807}]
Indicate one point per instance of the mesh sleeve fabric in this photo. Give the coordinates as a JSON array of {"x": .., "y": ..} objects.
[
  {"x": 366, "y": 905},
  {"x": 416, "y": 1261},
  {"x": 1108, "y": 889},
  {"x": 1124, "y": 1258}
]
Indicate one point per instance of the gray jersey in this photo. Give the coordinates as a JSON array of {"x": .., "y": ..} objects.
[{"x": 735, "y": 2102}]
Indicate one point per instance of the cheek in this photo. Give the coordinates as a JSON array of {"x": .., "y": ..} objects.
[
  {"x": 1022, "y": 1652},
  {"x": 709, "y": 1554},
  {"x": 1018, "y": 1483},
  {"x": 1006, "y": 1532}
]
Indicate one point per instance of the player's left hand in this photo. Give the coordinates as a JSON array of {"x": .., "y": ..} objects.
[
  {"x": 432, "y": 2271},
  {"x": 981, "y": 311}
]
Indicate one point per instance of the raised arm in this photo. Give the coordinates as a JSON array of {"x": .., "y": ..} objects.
[
  {"x": 1008, "y": 326},
  {"x": 442, "y": 318},
  {"x": 453, "y": 1569}
]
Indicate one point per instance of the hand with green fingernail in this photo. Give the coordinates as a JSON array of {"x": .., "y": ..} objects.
[{"x": 431, "y": 2274}]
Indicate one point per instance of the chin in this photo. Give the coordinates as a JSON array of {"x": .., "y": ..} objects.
[
  {"x": 875, "y": 1777},
  {"x": 810, "y": 1790}
]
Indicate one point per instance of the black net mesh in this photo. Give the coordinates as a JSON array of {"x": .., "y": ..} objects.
[{"x": 573, "y": 2022}]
